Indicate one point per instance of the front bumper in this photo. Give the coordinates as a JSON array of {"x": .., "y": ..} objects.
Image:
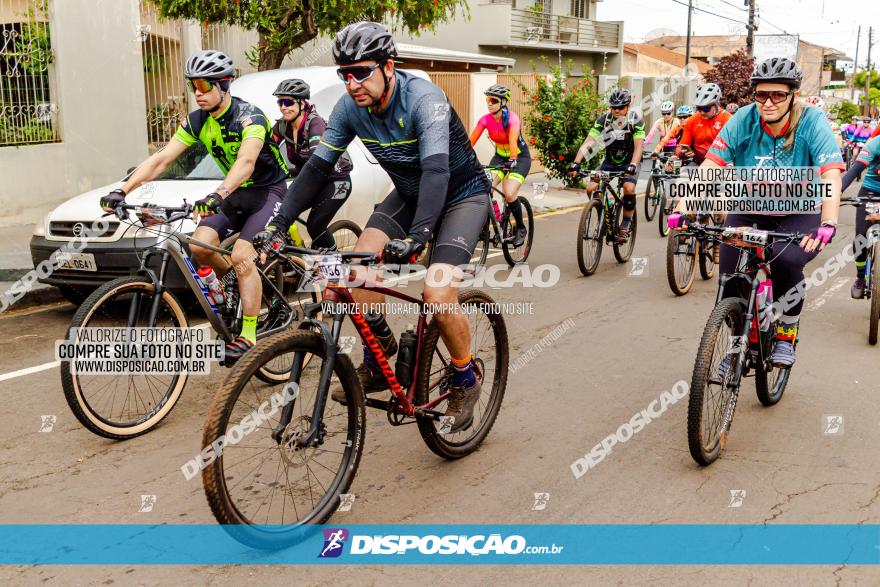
[{"x": 113, "y": 259}]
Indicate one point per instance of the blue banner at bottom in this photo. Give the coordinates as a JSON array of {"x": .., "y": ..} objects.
[{"x": 611, "y": 544}]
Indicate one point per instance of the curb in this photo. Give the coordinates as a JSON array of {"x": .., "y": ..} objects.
[{"x": 40, "y": 295}]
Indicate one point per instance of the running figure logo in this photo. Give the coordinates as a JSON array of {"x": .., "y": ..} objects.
[
  {"x": 833, "y": 425},
  {"x": 737, "y": 496},
  {"x": 541, "y": 500},
  {"x": 334, "y": 540},
  {"x": 147, "y": 503},
  {"x": 47, "y": 423}
]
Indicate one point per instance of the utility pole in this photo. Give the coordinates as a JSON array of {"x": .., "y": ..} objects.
[
  {"x": 852, "y": 87},
  {"x": 868, "y": 71},
  {"x": 687, "y": 47},
  {"x": 750, "y": 35}
]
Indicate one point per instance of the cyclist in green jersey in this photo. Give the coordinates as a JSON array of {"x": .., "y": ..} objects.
[{"x": 239, "y": 138}]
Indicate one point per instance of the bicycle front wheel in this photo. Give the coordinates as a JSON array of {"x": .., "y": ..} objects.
[
  {"x": 514, "y": 255},
  {"x": 712, "y": 397},
  {"x": 681, "y": 262},
  {"x": 652, "y": 198},
  {"x": 589, "y": 238},
  {"x": 262, "y": 489},
  {"x": 126, "y": 405},
  {"x": 490, "y": 353},
  {"x": 665, "y": 209},
  {"x": 874, "y": 319},
  {"x": 346, "y": 234}
]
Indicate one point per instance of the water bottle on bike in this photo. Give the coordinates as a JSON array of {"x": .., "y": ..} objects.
[
  {"x": 209, "y": 278},
  {"x": 406, "y": 354},
  {"x": 765, "y": 302},
  {"x": 497, "y": 210}
]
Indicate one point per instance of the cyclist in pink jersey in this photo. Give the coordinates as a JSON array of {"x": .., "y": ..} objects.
[
  {"x": 667, "y": 125},
  {"x": 512, "y": 160}
]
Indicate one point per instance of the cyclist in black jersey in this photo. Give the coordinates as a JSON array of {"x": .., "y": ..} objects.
[
  {"x": 301, "y": 129},
  {"x": 238, "y": 136},
  {"x": 621, "y": 133},
  {"x": 408, "y": 125}
]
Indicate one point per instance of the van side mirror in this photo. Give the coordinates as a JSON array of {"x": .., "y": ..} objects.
[{"x": 130, "y": 169}]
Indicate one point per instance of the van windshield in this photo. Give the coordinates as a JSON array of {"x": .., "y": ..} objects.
[{"x": 195, "y": 163}]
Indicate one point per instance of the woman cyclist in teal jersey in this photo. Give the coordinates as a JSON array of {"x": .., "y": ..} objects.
[{"x": 778, "y": 131}]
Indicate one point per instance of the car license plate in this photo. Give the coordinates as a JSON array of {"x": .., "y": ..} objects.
[{"x": 77, "y": 261}]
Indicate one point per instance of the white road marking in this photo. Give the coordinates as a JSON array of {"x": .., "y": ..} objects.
[{"x": 826, "y": 295}]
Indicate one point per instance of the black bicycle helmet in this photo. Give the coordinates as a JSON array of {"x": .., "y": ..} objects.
[
  {"x": 778, "y": 69},
  {"x": 498, "y": 91},
  {"x": 209, "y": 64},
  {"x": 361, "y": 41},
  {"x": 619, "y": 97},
  {"x": 295, "y": 88}
]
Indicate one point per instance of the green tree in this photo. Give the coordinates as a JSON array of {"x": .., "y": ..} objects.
[
  {"x": 859, "y": 80},
  {"x": 844, "y": 110},
  {"x": 284, "y": 25},
  {"x": 561, "y": 117}
]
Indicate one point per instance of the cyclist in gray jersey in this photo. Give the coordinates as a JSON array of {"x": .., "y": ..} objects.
[{"x": 409, "y": 126}]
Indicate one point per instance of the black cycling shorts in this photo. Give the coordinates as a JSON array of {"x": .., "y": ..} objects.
[
  {"x": 247, "y": 211},
  {"x": 518, "y": 172},
  {"x": 456, "y": 233}
]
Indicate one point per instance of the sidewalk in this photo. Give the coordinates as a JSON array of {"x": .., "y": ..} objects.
[
  {"x": 15, "y": 262},
  {"x": 556, "y": 196}
]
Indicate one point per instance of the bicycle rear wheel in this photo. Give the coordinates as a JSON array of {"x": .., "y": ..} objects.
[
  {"x": 712, "y": 399},
  {"x": 652, "y": 198},
  {"x": 681, "y": 262},
  {"x": 874, "y": 318},
  {"x": 514, "y": 255},
  {"x": 589, "y": 239},
  {"x": 261, "y": 490},
  {"x": 490, "y": 355},
  {"x": 770, "y": 381},
  {"x": 623, "y": 251},
  {"x": 664, "y": 209},
  {"x": 126, "y": 405}
]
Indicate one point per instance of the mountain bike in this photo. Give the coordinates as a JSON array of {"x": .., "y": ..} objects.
[
  {"x": 872, "y": 262},
  {"x": 298, "y": 462},
  {"x": 684, "y": 253},
  {"x": 128, "y": 405},
  {"x": 739, "y": 337},
  {"x": 499, "y": 232},
  {"x": 655, "y": 191},
  {"x": 600, "y": 220}
]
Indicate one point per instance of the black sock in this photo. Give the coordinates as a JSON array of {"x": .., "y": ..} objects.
[{"x": 516, "y": 209}]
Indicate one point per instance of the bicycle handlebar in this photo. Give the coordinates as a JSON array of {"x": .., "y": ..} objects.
[
  {"x": 148, "y": 212},
  {"x": 362, "y": 258},
  {"x": 693, "y": 229}
]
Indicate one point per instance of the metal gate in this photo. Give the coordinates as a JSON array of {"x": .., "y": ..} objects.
[{"x": 27, "y": 113}]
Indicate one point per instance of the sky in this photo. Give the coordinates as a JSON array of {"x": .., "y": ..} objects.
[{"x": 831, "y": 23}]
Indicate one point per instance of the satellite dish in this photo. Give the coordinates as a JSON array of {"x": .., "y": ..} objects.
[{"x": 661, "y": 32}]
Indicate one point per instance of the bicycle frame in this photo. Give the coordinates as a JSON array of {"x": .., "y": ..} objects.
[
  {"x": 170, "y": 248},
  {"x": 608, "y": 210},
  {"x": 403, "y": 401}
]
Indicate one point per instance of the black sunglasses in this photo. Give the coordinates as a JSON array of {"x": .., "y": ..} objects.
[
  {"x": 358, "y": 73},
  {"x": 286, "y": 102},
  {"x": 776, "y": 96},
  {"x": 705, "y": 108}
]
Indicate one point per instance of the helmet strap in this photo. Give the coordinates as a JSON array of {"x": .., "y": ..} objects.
[{"x": 223, "y": 88}]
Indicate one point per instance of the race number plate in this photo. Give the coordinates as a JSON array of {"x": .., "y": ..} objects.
[
  {"x": 755, "y": 236},
  {"x": 329, "y": 267}
]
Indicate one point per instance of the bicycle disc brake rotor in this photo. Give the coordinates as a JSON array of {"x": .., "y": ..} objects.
[{"x": 291, "y": 452}]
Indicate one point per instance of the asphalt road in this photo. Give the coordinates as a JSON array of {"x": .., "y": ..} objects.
[{"x": 630, "y": 339}]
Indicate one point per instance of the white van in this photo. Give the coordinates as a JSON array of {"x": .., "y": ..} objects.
[{"x": 194, "y": 175}]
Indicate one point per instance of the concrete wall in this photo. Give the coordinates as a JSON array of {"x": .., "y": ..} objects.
[{"x": 99, "y": 91}]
